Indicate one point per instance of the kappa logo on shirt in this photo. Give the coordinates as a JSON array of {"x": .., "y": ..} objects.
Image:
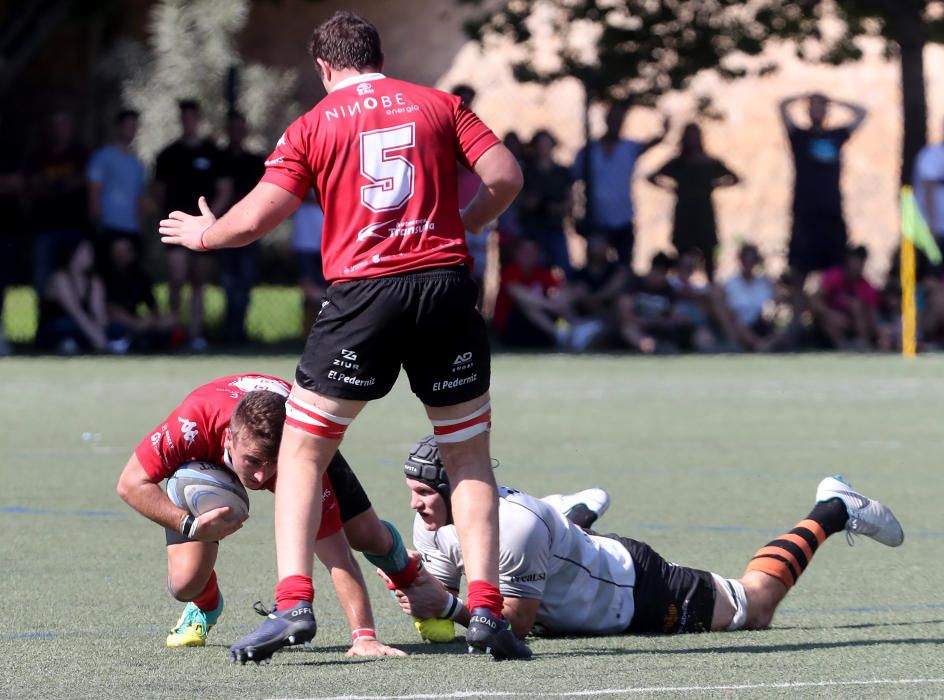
[{"x": 188, "y": 429}]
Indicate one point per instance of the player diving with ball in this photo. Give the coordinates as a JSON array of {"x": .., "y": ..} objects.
[
  {"x": 237, "y": 421},
  {"x": 559, "y": 578}
]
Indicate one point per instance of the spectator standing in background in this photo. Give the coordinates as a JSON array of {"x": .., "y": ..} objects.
[
  {"x": 509, "y": 223},
  {"x": 185, "y": 169},
  {"x": 116, "y": 185},
  {"x": 469, "y": 183},
  {"x": 609, "y": 163},
  {"x": 929, "y": 185},
  {"x": 238, "y": 266},
  {"x": 307, "y": 222},
  {"x": 545, "y": 201},
  {"x": 818, "y": 240},
  {"x": 693, "y": 175},
  {"x": 11, "y": 221},
  {"x": 57, "y": 197}
]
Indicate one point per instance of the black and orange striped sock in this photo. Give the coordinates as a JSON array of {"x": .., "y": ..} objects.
[{"x": 786, "y": 557}]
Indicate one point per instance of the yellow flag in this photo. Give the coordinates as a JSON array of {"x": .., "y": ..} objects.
[{"x": 915, "y": 228}]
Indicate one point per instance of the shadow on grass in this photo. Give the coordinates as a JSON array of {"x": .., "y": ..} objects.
[
  {"x": 744, "y": 649},
  {"x": 861, "y": 625}
]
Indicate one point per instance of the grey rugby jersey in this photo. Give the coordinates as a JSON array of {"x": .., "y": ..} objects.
[{"x": 585, "y": 584}]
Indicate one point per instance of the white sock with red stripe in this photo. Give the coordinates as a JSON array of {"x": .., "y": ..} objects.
[
  {"x": 462, "y": 429},
  {"x": 313, "y": 420}
]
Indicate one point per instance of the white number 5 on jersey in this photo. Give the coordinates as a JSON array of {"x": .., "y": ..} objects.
[{"x": 391, "y": 174}]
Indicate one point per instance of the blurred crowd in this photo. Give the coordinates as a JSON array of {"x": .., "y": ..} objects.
[{"x": 558, "y": 262}]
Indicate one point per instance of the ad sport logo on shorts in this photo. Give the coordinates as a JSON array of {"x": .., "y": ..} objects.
[
  {"x": 462, "y": 363},
  {"x": 347, "y": 363}
]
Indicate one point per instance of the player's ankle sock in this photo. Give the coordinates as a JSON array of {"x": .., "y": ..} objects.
[
  {"x": 209, "y": 598},
  {"x": 483, "y": 594},
  {"x": 396, "y": 563},
  {"x": 832, "y": 515},
  {"x": 292, "y": 590},
  {"x": 786, "y": 557}
]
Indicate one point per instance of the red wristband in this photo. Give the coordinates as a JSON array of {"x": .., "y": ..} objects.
[
  {"x": 203, "y": 245},
  {"x": 363, "y": 633}
]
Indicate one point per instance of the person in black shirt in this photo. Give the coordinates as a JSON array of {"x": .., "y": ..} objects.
[
  {"x": 187, "y": 168},
  {"x": 238, "y": 265},
  {"x": 545, "y": 200},
  {"x": 693, "y": 175},
  {"x": 818, "y": 240},
  {"x": 129, "y": 299},
  {"x": 57, "y": 196}
]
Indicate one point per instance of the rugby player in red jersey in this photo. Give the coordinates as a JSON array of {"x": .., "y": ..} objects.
[
  {"x": 237, "y": 421},
  {"x": 382, "y": 155}
]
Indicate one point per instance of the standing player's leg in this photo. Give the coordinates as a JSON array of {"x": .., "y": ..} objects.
[
  {"x": 314, "y": 427},
  {"x": 191, "y": 579},
  {"x": 378, "y": 540},
  {"x": 462, "y": 437},
  {"x": 752, "y": 600}
]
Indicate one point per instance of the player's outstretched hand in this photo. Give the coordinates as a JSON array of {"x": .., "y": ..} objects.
[
  {"x": 217, "y": 523},
  {"x": 424, "y": 598},
  {"x": 371, "y": 647},
  {"x": 180, "y": 228}
]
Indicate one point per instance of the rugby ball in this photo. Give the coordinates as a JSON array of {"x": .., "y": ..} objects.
[{"x": 199, "y": 487}]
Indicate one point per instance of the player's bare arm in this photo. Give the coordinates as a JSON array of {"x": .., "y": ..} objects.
[
  {"x": 260, "y": 211},
  {"x": 142, "y": 493},
  {"x": 502, "y": 180},
  {"x": 335, "y": 553},
  {"x": 521, "y": 613}
]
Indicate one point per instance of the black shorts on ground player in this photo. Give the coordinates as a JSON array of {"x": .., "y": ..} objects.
[
  {"x": 425, "y": 322},
  {"x": 667, "y": 598}
]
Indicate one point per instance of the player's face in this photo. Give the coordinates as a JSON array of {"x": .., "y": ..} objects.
[
  {"x": 428, "y": 503},
  {"x": 249, "y": 463}
]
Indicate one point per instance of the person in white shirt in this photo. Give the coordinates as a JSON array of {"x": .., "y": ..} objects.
[
  {"x": 743, "y": 301},
  {"x": 559, "y": 578},
  {"x": 929, "y": 186}
]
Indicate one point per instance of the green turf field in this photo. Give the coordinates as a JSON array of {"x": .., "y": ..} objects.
[{"x": 705, "y": 458}]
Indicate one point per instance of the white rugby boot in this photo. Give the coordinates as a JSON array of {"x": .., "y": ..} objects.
[{"x": 866, "y": 516}]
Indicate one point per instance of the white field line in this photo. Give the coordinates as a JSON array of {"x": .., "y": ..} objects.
[{"x": 635, "y": 691}]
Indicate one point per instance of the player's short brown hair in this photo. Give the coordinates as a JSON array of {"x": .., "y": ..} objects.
[
  {"x": 347, "y": 40},
  {"x": 259, "y": 416}
]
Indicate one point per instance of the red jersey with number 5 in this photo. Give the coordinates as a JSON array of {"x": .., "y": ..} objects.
[{"x": 382, "y": 155}]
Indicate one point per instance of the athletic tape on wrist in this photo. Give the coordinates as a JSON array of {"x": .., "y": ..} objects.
[
  {"x": 452, "y": 608},
  {"x": 363, "y": 633}
]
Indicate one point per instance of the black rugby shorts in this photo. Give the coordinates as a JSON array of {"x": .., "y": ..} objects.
[{"x": 425, "y": 322}]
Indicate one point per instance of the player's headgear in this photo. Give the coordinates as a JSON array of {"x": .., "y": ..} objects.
[{"x": 425, "y": 465}]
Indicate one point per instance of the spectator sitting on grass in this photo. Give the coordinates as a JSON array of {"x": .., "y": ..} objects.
[
  {"x": 72, "y": 307},
  {"x": 742, "y": 303},
  {"x": 592, "y": 292},
  {"x": 649, "y": 317},
  {"x": 694, "y": 299},
  {"x": 129, "y": 300},
  {"x": 527, "y": 308},
  {"x": 846, "y": 305}
]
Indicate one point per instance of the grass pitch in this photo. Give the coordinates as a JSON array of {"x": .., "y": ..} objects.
[{"x": 705, "y": 458}]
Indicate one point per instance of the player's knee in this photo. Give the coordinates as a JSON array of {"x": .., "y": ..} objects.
[{"x": 184, "y": 588}]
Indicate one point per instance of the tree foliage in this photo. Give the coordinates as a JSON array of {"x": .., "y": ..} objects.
[
  {"x": 644, "y": 48},
  {"x": 191, "y": 54}
]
